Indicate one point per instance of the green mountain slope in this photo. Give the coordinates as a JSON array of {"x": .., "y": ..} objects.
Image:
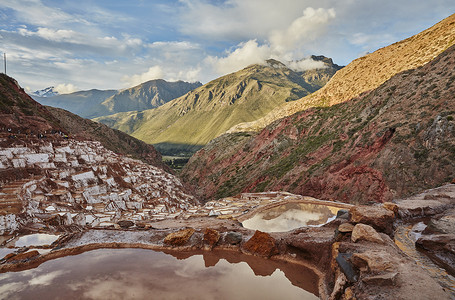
[
  {"x": 393, "y": 141},
  {"x": 194, "y": 119}
]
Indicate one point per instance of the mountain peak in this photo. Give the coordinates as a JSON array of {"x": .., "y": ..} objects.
[
  {"x": 47, "y": 92},
  {"x": 275, "y": 63}
]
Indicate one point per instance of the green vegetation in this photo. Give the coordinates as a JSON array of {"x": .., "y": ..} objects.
[{"x": 210, "y": 110}]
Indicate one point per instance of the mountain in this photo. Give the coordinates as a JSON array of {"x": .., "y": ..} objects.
[
  {"x": 82, "y": 103},
  {"x": 94, "y": 103},
  {"x": 189, "y": 122},
  {"x": 47, "y": 92},
  {"x": 19, "y": 113},
  {"x": 393, "y": 141},
  {"x": 368, "y": 72},
  {"x": 144, "y": 96}
]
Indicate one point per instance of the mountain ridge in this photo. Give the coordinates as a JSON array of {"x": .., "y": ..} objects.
[
  {"x": 208, "y": 111},
  {"x": 368, "y": 72},
  {"x": 390, "y": 142},
  {"x": 95, "y": 103}
]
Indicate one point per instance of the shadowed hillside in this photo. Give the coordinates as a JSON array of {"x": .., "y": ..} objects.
[{"x": 396, "y": 140}]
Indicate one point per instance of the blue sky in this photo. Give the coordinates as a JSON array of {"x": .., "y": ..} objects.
[{"x": 109, "y": 44}]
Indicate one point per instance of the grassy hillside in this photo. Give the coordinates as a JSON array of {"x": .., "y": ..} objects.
[{"x": 208, "y": 111}]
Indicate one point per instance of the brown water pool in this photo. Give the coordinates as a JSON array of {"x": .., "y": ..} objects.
[{"x": 146, "y": 274}]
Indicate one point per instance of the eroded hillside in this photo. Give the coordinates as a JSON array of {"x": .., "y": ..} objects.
[{"x": 393, "y": 141}]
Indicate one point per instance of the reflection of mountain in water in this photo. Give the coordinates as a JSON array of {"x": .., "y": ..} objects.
[
  {"x": 290, "y": 216},
  {"x": 120, "y": 274}
]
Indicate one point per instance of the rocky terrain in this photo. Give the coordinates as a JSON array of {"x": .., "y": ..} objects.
[
  {"x": 354, "y": 256},
  {"x": 391, "y": 142},
  {"x": 54, "y": 170},
  {"x": 57, "y": 181},
  {"x": 189, "y": 122},
  {"x": 368, "y": 72}
]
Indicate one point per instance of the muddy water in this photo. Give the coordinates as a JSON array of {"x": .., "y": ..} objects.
[
  {"x": 291, "y": 216},
  {"x": 145, "y": 274},
  {"x": 405, "y": 237}
]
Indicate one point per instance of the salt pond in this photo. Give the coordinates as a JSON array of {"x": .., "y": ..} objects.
[
  {"x": 36, "y": 239},
  {"x": 146, "y": 274},
  {"x": 291, "y": 216}
]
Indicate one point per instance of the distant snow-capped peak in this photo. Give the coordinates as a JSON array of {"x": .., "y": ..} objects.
[{"x": 47, "y": 92}]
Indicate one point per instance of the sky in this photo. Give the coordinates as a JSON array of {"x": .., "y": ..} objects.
[{"x": 112, "y": 44}]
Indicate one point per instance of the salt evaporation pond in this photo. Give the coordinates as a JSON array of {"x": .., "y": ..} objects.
[
  {"x": 36, "y": 239},
  {"x": 146, "y": 274},
  {"x": 291, "y": 216}
]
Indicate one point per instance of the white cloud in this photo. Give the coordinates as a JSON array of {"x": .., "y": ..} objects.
[
  {"x": 155, "y": 72},
  {"x": 306, "y": 64},
  {"x": 305, "y": 28},
  {"x": 36, "y": 13},
  {"x": 67, "y": 88},
  {"x": 246, "y": 54}
]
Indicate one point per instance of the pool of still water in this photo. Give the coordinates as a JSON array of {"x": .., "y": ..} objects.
[
  {"x": 36, "y": 239},
  {"x": 146, "y": 274},
  {"x": 291, "y": 216}
]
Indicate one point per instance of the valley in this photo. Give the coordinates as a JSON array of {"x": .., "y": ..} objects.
[{"x": 324, "y": 182}]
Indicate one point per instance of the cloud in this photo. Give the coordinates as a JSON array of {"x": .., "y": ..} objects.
[
  {"x": 155, "y": 72},
  {"x": 306, "y": 64},
  {"x": 65, "y": 88},
  {"x": 245, "y": 54},
  {"x": 36, "y": 13},
  {"x": 305, "y": 28}
]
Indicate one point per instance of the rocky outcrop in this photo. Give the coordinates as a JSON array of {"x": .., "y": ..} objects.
[
  {"x": 376, "y": 216},
  {"x": 211, "y": 237},
  {"x": 261, "y": 244},
  {"x": 362, "y": 232},
  {"x": 179, "y": 238}
]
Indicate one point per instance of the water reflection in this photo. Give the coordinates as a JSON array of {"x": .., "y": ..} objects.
[
  {"x": 145, "y": 274},
  {"x": 36, "y": 239},
  {"x": 290, "y": 216}
]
